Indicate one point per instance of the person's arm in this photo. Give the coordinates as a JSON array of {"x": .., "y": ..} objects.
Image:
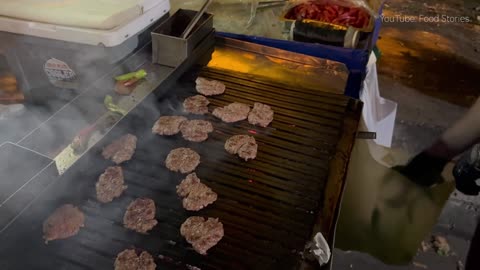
[
  {"x": 426, "y": 168},
  {"x": 464, "y": 133}
]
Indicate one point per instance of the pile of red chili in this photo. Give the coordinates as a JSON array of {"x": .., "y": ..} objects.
[{"x": 330, "y": 13}]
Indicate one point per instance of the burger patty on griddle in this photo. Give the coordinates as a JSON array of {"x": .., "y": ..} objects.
[
  {"x": 196, "y": 195},
  {"x": 110, "y": 184},
  {"x": 202, "y": 233},
  {"x": 183, "y": 160},
  {"x": 64, "y": 222},
  {"x": 140, "y": 215},
  {"x": 196, "y": 130},
  {"x": 130, "y": 260},
  {"x": 196, "y": 105},
  {"x": 121, "y": 150}
]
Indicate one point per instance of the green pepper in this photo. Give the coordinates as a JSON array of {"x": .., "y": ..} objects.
[
  {"x": 113, "y": 107},
  {"x": 133, "y": 75}
]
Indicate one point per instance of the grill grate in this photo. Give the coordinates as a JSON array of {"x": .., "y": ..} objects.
[{"x": 268, "y": 205}]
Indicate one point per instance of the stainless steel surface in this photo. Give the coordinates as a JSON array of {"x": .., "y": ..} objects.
[
  {"x": 290, "y": 68},
  {"x": 168, "y": 48},
  {"x": 195, "y": 19}
]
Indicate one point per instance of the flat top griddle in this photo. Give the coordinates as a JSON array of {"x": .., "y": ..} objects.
[{"x": 269, "y": 206}]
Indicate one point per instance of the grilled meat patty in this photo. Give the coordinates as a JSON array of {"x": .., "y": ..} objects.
[
  {"x": 121, "y": 150},
  {"x": 196, "y": 130},
  {"x": 260, "y": 115},
  {"x": 196, "y": 195},
  {"x": 130, "y": 260},
  {"x": 202, "y": 233},
  {"x": 242, "y": 145},
  {"x": 196, "y": 105},
  {"x": 140, "y": 215},
  {"x": 110, "y": 184},
  {"x": 233, "y": 112},
  {"x": 183, "y": 160},
  {"x": 209, "y": 88},
  {"x": 168, "y": 125},
  {"x": 64, "y": 222}
]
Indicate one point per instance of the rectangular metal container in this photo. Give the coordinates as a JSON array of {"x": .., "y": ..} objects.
[{"x": 169, "y": 48}]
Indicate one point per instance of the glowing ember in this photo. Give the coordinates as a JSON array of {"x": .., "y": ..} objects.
[
  {"x": 250, "y": 181},
  {"x": 252, "y": 131}
]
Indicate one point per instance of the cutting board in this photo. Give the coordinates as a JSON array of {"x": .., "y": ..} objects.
[{"x": 93, "y": 14}]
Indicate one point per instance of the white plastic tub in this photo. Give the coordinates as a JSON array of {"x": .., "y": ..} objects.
[{"x": 74, "y": 52}]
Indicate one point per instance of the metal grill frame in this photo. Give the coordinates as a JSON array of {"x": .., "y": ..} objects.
[{"x": 337, "y": 170}]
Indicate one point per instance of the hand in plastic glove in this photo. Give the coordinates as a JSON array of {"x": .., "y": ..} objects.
[
  {"x": 467, "y": 172},
  {"x": 424, "y": 169}
]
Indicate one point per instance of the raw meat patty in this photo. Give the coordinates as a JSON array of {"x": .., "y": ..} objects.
[
  {"x": 121, "y": 150},
  {"x": 183, "y": 160},
  {"x": 110, "y": 185},
  {"x": 243, "y": 145},
  {"x": 209, "y": 88},
  {"x": 140, "y": 215},
  {"x": 261, "y": 115},
  {"x": 168, "y": 125},
  {"x": 129, "y": 260},
  {"x": 232, "y": 113},
  {"x": 65, "y": 222},
  {"x": 197, "y": 105},
  {"x": 196, "y": 195},
  {"x": 196, "y": 130},
  {"x": 202, "y": 233}
]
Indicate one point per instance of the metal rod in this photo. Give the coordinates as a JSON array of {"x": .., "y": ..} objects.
[{"x": 195, "y": 19}]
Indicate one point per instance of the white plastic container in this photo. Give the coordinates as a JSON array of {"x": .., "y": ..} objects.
[{"x": 69, "y": 54}]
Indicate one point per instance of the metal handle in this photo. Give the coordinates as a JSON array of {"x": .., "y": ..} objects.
[
  {"x": 365, "y": 135},
  {"x": 195, "y": 19}
]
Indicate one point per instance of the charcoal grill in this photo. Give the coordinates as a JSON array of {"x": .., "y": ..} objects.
[{"x": 270, "y": 206}]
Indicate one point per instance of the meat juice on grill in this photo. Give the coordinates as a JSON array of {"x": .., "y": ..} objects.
[
  {"x": 64, "y": 222},
  {"x": 202, "y": 233},
  {"x": 260, "y": 115},
  {"x": 168, "y": 125},
  {"x": 183, "y": 160},
  {"x": 130, "y": 260},
  {"x": 196, "y": 195},
  {"x": 209, "y": 87},
  {"x": 244, "y": 146},
  {"x": 140, "y": 215},
  {"x": 110, "y": 184},
  {"x": 196, "y": 105},
  {"x": 196, "y": 130},
  {"x": 233, "y": 112},
  {"x": 121, "y": 150}
]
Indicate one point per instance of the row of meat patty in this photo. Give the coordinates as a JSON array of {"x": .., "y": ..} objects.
[{"x": 201, "y": 232}]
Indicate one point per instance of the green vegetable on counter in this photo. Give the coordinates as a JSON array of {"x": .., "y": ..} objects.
[
  {"x": 113, "y": 107},
  {"x": 133, "y": 75}
]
